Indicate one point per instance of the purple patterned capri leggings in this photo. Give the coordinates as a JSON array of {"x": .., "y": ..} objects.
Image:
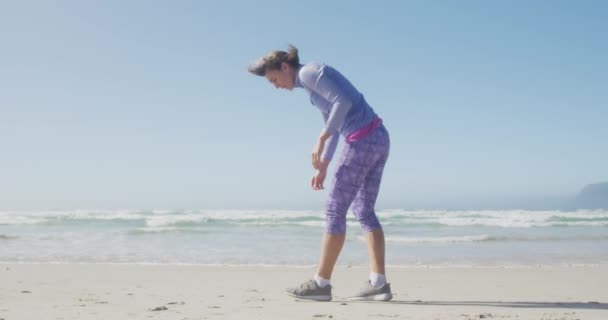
[{"x": 357, "y": 182}]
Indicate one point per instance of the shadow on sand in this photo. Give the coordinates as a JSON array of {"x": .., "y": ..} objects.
[{"x": 508, "y": 304}]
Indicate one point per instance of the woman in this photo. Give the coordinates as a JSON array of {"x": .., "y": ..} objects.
[{"x": 358, "y": 174}]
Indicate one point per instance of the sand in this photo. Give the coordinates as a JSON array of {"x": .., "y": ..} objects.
[{"x": 117, "y": 291}]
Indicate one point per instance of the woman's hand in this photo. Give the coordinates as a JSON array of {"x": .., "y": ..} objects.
[{"x": 317, "y": 180}]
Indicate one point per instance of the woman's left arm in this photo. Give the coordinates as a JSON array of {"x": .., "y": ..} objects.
[
  {"x": 317, "y": 161},
  {"x": 330, "y": 85}
]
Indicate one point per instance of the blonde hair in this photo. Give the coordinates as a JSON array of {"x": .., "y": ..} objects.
[{"x": 274, "y": 59}]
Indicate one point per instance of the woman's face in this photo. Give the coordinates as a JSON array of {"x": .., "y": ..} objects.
[{"x": 283, "y": 78}]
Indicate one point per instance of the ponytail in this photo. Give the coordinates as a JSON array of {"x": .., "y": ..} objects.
[{"x": 274, "y": 59}]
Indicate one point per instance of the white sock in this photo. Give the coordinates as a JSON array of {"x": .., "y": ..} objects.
[
  {"x": 321, "y": 282},
  {"x": 377, "y": 280}
]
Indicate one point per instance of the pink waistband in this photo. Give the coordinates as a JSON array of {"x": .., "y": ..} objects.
[{"x": 365, "y": 131}]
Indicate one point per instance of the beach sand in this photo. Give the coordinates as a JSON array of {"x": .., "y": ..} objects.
[{"x": 116, "y": 291}]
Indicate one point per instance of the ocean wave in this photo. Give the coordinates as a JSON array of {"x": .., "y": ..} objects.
[
  {"x": 235, "y": 218},
  {"x": 503, "y": 218},
  {"x": 451, "y": 239},
  {"x": 486, "y": 238},
  {"x": 46, "y": 217},
  {"x": 399, "y": 218},
  {"x": 11, "y": 220},
  {"x": 189, "y": 226},
  {"x": 148, "y": 230}
]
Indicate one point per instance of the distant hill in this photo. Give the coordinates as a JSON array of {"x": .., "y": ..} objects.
[{"x": 593, "y": 196}]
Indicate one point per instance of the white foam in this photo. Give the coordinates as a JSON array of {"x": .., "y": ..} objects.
[
  {"x": 449, "y": 239},
  {"x": 158, "y": 217},
  {"x": 501, "y": 218}
]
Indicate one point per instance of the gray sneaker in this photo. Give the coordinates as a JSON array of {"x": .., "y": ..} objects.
[
  {"x": 371, "y": 293},
  {"x": 309, "y": 290}
]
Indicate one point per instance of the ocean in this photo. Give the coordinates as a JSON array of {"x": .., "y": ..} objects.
[{"x": 293, "y": 238}]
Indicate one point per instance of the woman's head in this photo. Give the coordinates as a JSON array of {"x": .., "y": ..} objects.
[{"x": 279, "y": 67}]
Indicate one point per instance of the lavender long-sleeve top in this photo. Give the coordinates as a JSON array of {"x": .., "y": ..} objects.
[{"x": 343, "y": 107}]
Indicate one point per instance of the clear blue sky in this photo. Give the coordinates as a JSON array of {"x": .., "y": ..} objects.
[{"x": 147, "y": 104}]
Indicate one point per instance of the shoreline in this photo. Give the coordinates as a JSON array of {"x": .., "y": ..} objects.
[
  {"x": 344, "y": 266},
  {"x": 128, "y": 291}
]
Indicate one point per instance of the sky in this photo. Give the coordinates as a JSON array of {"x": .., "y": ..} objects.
[{"x": 148, "y": 104}]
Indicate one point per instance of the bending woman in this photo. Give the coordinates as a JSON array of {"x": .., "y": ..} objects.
[{"x": 356, "y": 181}]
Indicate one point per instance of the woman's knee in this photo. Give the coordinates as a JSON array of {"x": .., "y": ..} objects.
[
  {"x": 335, "y": 225},
  {"x": 368, "y": 221}
]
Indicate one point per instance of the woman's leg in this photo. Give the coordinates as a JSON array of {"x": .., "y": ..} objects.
[
  {"x": 375, "y": 250},
  {"x": 332, "y": 245},
  {"x": 365, "y": 201},
  {"x": 349, "y": 177}
]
